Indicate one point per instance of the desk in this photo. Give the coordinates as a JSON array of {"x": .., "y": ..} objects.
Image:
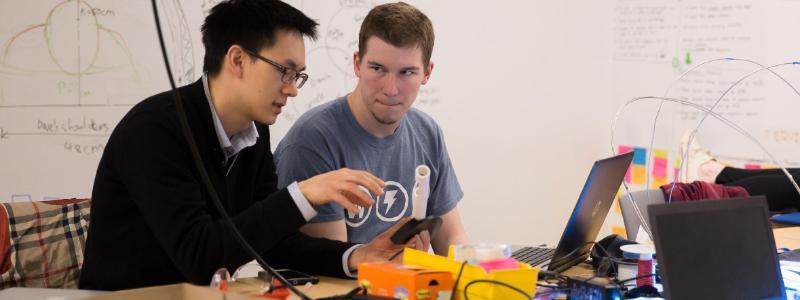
[
  {"x": 327, "y": 286},
  {"x": 788, "y": 237}
]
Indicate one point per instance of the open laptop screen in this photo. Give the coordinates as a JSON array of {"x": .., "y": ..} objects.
[
  {"x": 716, "y": 249},
  {"x": 590, "y": 211}
]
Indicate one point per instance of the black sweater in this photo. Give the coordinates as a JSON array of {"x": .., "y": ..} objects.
[{"x": 153, "y": 222}]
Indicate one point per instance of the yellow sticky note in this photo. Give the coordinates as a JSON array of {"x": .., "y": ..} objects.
[
  {"x": 639, "y": 175},
  {"x": 619, "y": 230},
  {"x": 658, "y": 182}
]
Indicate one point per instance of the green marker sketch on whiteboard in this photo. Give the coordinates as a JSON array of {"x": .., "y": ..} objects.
[{"x": 688, "y": 58}]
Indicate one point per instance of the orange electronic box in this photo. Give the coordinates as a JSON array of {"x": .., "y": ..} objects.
[{"x": 404, "y": 282}]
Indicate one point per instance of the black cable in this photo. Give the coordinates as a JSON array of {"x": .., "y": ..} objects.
[
  {"x": 202, "y": 170},
  {"x": 553, "y": 290},
  {"x": 396, "y": 254},
  {"x": 568, "y": 255},
  {"x": 620, "y": 282},
  {"x": 615, "y": 259},
  {"x": 458, "y": 278},
  {"x": 350, "y": 295},
  {"x": 500, "y": 283}
]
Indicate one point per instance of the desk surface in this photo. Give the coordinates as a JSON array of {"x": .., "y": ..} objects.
[
  {"x": 788, "y": 237},
  {"x": 327, "y": 286}
]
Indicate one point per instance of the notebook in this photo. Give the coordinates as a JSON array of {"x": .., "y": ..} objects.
[{"x": 586, "y": 219}]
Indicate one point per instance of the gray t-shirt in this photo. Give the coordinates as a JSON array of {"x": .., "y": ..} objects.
[{"x": 328, "y": 138}]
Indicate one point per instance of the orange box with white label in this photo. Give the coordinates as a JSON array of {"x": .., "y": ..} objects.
[{"x": 401, "y": 282}]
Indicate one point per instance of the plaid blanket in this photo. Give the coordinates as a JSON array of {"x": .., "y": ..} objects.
[{"x": 43, "y": 242}]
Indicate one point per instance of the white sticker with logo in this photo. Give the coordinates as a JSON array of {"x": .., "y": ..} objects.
[
  {"x": 387, "y": 207},
  {"x": 356, "y": 220},
  {"x": 389, "y": 200}
]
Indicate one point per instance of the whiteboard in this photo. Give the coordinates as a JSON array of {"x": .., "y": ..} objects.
[
  {"x": 523, "y": 90},
  {"x": 656, "y": 41}
]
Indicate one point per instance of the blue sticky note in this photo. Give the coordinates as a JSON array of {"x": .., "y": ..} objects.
[{"x": 639, "y": 156}]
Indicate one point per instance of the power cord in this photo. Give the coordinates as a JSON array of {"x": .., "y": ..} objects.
[
  {"x": 568, "y": 256},
  {"x": 500, "y": 283},
  {"x": 458, "y": 278},
  {"x": 206, "y": 181}
]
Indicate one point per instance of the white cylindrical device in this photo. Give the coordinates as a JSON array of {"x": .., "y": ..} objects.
[{"x": 419, "y": 196}]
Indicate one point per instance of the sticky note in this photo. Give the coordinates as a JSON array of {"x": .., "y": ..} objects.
[
  {"x": 752, "y": 166},
  {"x": 621, "y": 149},
  {"x": 619, "y": 230},
  {"x": 677, "y": 165},
  {"x": 639, "y": 156},
  {"x": 660, "y": 153},
  {"x": 616, "y": 207},
  {"x": 657, "y": 182},
  {"x": 638, "y": 174},
  {"x": 660, "y": 167}
]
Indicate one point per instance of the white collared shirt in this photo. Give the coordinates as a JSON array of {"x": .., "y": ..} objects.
[{"x": 246, "y": 138}]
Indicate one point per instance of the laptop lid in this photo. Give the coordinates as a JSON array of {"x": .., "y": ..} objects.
[
  {"x": 590, "y": 211},
  {"x": 717, "y": 249},
  {"x": 636, "y": 224}
]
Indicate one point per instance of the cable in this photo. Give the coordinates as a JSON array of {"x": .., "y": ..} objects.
[
  {"x": 694, "y": 132},
  {"x": 620, "y": 283},
  {"x": 636, "y": 209},
  {"x": 396, "y": 254},
  {"x": 458, "y": 278},
  {"x": 202, "y": 170},
  {"x": 653, "y": 138},
  {"x": 719, "y": 117},
  {"x": 655, "y": 120},
  {"x": 666, "y": 94},
  {"x": 553, "y": 290},
  {"x": 500, "y": 283},
  {"x": 567, "y": 256}
]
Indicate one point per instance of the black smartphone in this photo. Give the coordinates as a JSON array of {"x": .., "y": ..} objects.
[
  {"x": 415, "y": 226},
  {"x": 294, "y": 277}
]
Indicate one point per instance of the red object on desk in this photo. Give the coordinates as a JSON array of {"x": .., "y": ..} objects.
[{"x": 278, "y": 292}]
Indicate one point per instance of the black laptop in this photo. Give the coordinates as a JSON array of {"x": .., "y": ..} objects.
[
  {"x": 716, "y": 249},
  {"x": 586, "y": 220}
]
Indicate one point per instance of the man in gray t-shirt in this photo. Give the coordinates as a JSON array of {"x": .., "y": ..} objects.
[{"x": 374, "y": 128}]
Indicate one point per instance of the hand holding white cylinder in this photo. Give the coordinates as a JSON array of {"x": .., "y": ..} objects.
[{"x": 419, "y": 196}]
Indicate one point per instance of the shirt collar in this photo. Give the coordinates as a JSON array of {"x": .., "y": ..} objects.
[{"x": 237, "y": 142}]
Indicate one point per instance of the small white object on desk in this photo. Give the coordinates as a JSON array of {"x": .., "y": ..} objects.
[{"x": 419, "y": 196}]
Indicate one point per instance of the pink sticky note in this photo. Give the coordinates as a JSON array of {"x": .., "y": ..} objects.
[
  {"x": 621, "y": 149},
  {"x": 752, "y": 167},
  {"x": 660, "y": 167}
]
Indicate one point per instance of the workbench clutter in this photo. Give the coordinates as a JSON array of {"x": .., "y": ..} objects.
[{"x": 428, "y": 276}]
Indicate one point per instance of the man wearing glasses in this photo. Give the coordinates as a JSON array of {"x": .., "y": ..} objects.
[
  {"x": 153, "y": 222},
  {"x": 374, "y": 128}
]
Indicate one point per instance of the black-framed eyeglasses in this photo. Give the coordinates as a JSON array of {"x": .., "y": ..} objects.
[{"x": 288, "y": 75}]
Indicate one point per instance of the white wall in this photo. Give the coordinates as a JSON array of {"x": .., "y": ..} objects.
[{"x": 524, "y": 90}]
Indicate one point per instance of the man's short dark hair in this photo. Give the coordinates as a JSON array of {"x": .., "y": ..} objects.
[{"x": 250, "y": 24}]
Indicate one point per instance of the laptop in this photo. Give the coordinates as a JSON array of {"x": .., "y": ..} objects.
[
  {"x": 586, "y": 220},
  {"x": 717, "y": 249},
  {"x": 637, "y": 224}
]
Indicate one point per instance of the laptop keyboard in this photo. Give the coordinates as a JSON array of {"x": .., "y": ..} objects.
[{"x": 534, "y": 256}]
